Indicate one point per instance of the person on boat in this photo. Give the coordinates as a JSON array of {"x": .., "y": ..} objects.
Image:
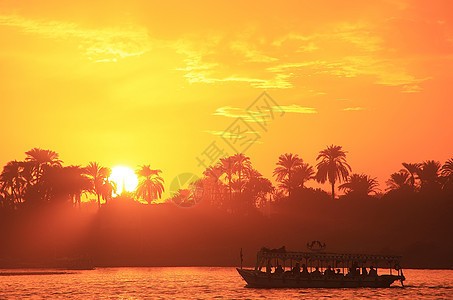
[
  {"x": 364, "y": 271},
  {"x": 373, "y": 271},
  {"x": 296, "y": 269},
  {"x": 354, "y": 270},
  {"x": 329, "y": 271},
  {"x": 304, "y": 270},
  {"x": 316, "y": 272},
  {"x": 279, "y": 270},
  {"x": 268, "y": 267}
]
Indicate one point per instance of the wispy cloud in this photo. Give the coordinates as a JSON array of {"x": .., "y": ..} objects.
[
  {"x": 411, "y": 88},
  {"x": 234, "y": 112},
  {"x": 284, "y": 59},
  {"x": 251, "y": 54},
  {"x": 100, "y": 45},
  {"x": 357, "y": 108},
  {"x": 253, "y": 116},
  {"x": 296, "y": 109},
  {"x": 224, "y": 134}
]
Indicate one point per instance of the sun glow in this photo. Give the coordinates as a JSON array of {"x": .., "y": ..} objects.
[{"x": 124, "y": 178}]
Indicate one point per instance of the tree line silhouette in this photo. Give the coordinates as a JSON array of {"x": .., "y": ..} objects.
[
  {"x": 236, "y": 186},
  {"x": 42, "y": 179},
  {"x": 232, "y": 184},
  {"x": 43, "y": 216}
]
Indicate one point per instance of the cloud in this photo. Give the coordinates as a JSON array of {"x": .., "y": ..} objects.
[
  {"x": 255, "y": 116},
  {"x": 411, "y": 88},
  {"x": 233, "y": 112},
  {"x": 224, "y": 134},
  {"x": 296, "y": 109},
  {"x": 251, "y": 54},
  {"x": 284, "y": 59},
  {"x": 385, "y": 72},
  {"x": 276, "y": 63},
  {"x": 357, "y": 108},
  {"x": 100, "y": 45}
]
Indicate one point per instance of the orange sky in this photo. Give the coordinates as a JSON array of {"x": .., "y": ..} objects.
[{"x": 137, "y": 82}]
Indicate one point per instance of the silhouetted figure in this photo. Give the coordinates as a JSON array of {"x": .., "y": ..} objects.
[
  {"x": 329, "y": 271},
  {"x": 278, "y": 270},
  {"x": 304, "y": 270},
  {"x": 364, "y": 271},
  {"x": 338, "y": 272},
  {"x": 354, "y": 270},
  {"x": 316, "y": 272},
  {"x": 373, "y": 271},
  {"x": 268, "y": 267},
  {"x": 296, "y": 269}
]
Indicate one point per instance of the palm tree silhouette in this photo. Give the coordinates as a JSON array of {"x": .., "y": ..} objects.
[
  {"x": 399, "y": 180},
  {"x": 447, "y": 168},
  {"x": 13, "y": 183},
  {"x": 333, "y": 166},
  {"x": 412, "y": 168},
  {"x": 286, "y": 167},
  {"x": 228, "y": 168},
  {"x": 64, "y": 184},
  {"x": 428, "y": 173},
  {"x": 108, "y": 188},
  {"x": 360, "y": 185},
  {"x": 151, "y": 184},
  {"x": 98, "y": 176},
  {"x": 302, "y": 174},
  {"x": 78, "y": 182},
  {"x": 212, "y": 183},
  {"x": 256, "y": 189},
  {"x": 40, "y": 158},
  {"x": 241, "y": 165},
  {"x": 447, "y": 173}
]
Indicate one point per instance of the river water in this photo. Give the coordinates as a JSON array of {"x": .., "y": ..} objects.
[{"x": 200, "y": 283}]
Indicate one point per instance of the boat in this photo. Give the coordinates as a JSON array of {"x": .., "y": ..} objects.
[{"x": 319, "y": 269}]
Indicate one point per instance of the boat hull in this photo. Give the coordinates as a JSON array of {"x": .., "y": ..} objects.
[{"x": 257, "y": 279}]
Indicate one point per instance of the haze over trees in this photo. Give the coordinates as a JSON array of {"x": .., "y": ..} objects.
[{"x": 232, "y": 205}]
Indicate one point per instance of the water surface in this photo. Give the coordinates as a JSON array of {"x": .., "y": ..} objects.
[{"x": 200, "y": 283}]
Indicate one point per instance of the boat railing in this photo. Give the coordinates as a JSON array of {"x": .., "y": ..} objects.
[{"x": 324, "y": 260}]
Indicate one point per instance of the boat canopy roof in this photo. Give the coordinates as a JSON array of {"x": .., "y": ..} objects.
[{"x": 281, "y": 253}]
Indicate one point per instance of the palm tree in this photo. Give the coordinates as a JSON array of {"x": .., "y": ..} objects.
[
  {"x": 212, "y": 183},
  {"x": 151, "y": 185},
  {"x": 447, "y": 173},
  {"x": 333, "y": 166},
  {"x": 302, "y": 174},
  {"x": 13, "y": 183},
  {"x": 98, "y": 176},
  {"x": 412, "y": 168},
  {"x": 64, "y": 184},
  {"x": 286, "y": 166},
  {"x": 226, "y": 164},
  {"x": 428, "y": 173},
  {"x": 399, "y": 180},
  {"x": 447, "y": 168},
  {"x": 40, "y": 158},
  {"x": 360, "y": 184},
  {"x": 241, "y": 165},
  {"x": 107, "y": 189},
  {"x": 256, "y": 189},
  {"x": 78, "y": 182}
]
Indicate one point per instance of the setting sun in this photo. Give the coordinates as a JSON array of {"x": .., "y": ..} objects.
[
  {"x": 124, "y": 178},
  {"x": 203, "y": 149}
]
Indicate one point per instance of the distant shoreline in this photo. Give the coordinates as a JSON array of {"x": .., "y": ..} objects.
[{"x": 69, "y": 271}]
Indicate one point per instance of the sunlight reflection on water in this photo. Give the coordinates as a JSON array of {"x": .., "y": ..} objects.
[{"x": 202, "y": 283}]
